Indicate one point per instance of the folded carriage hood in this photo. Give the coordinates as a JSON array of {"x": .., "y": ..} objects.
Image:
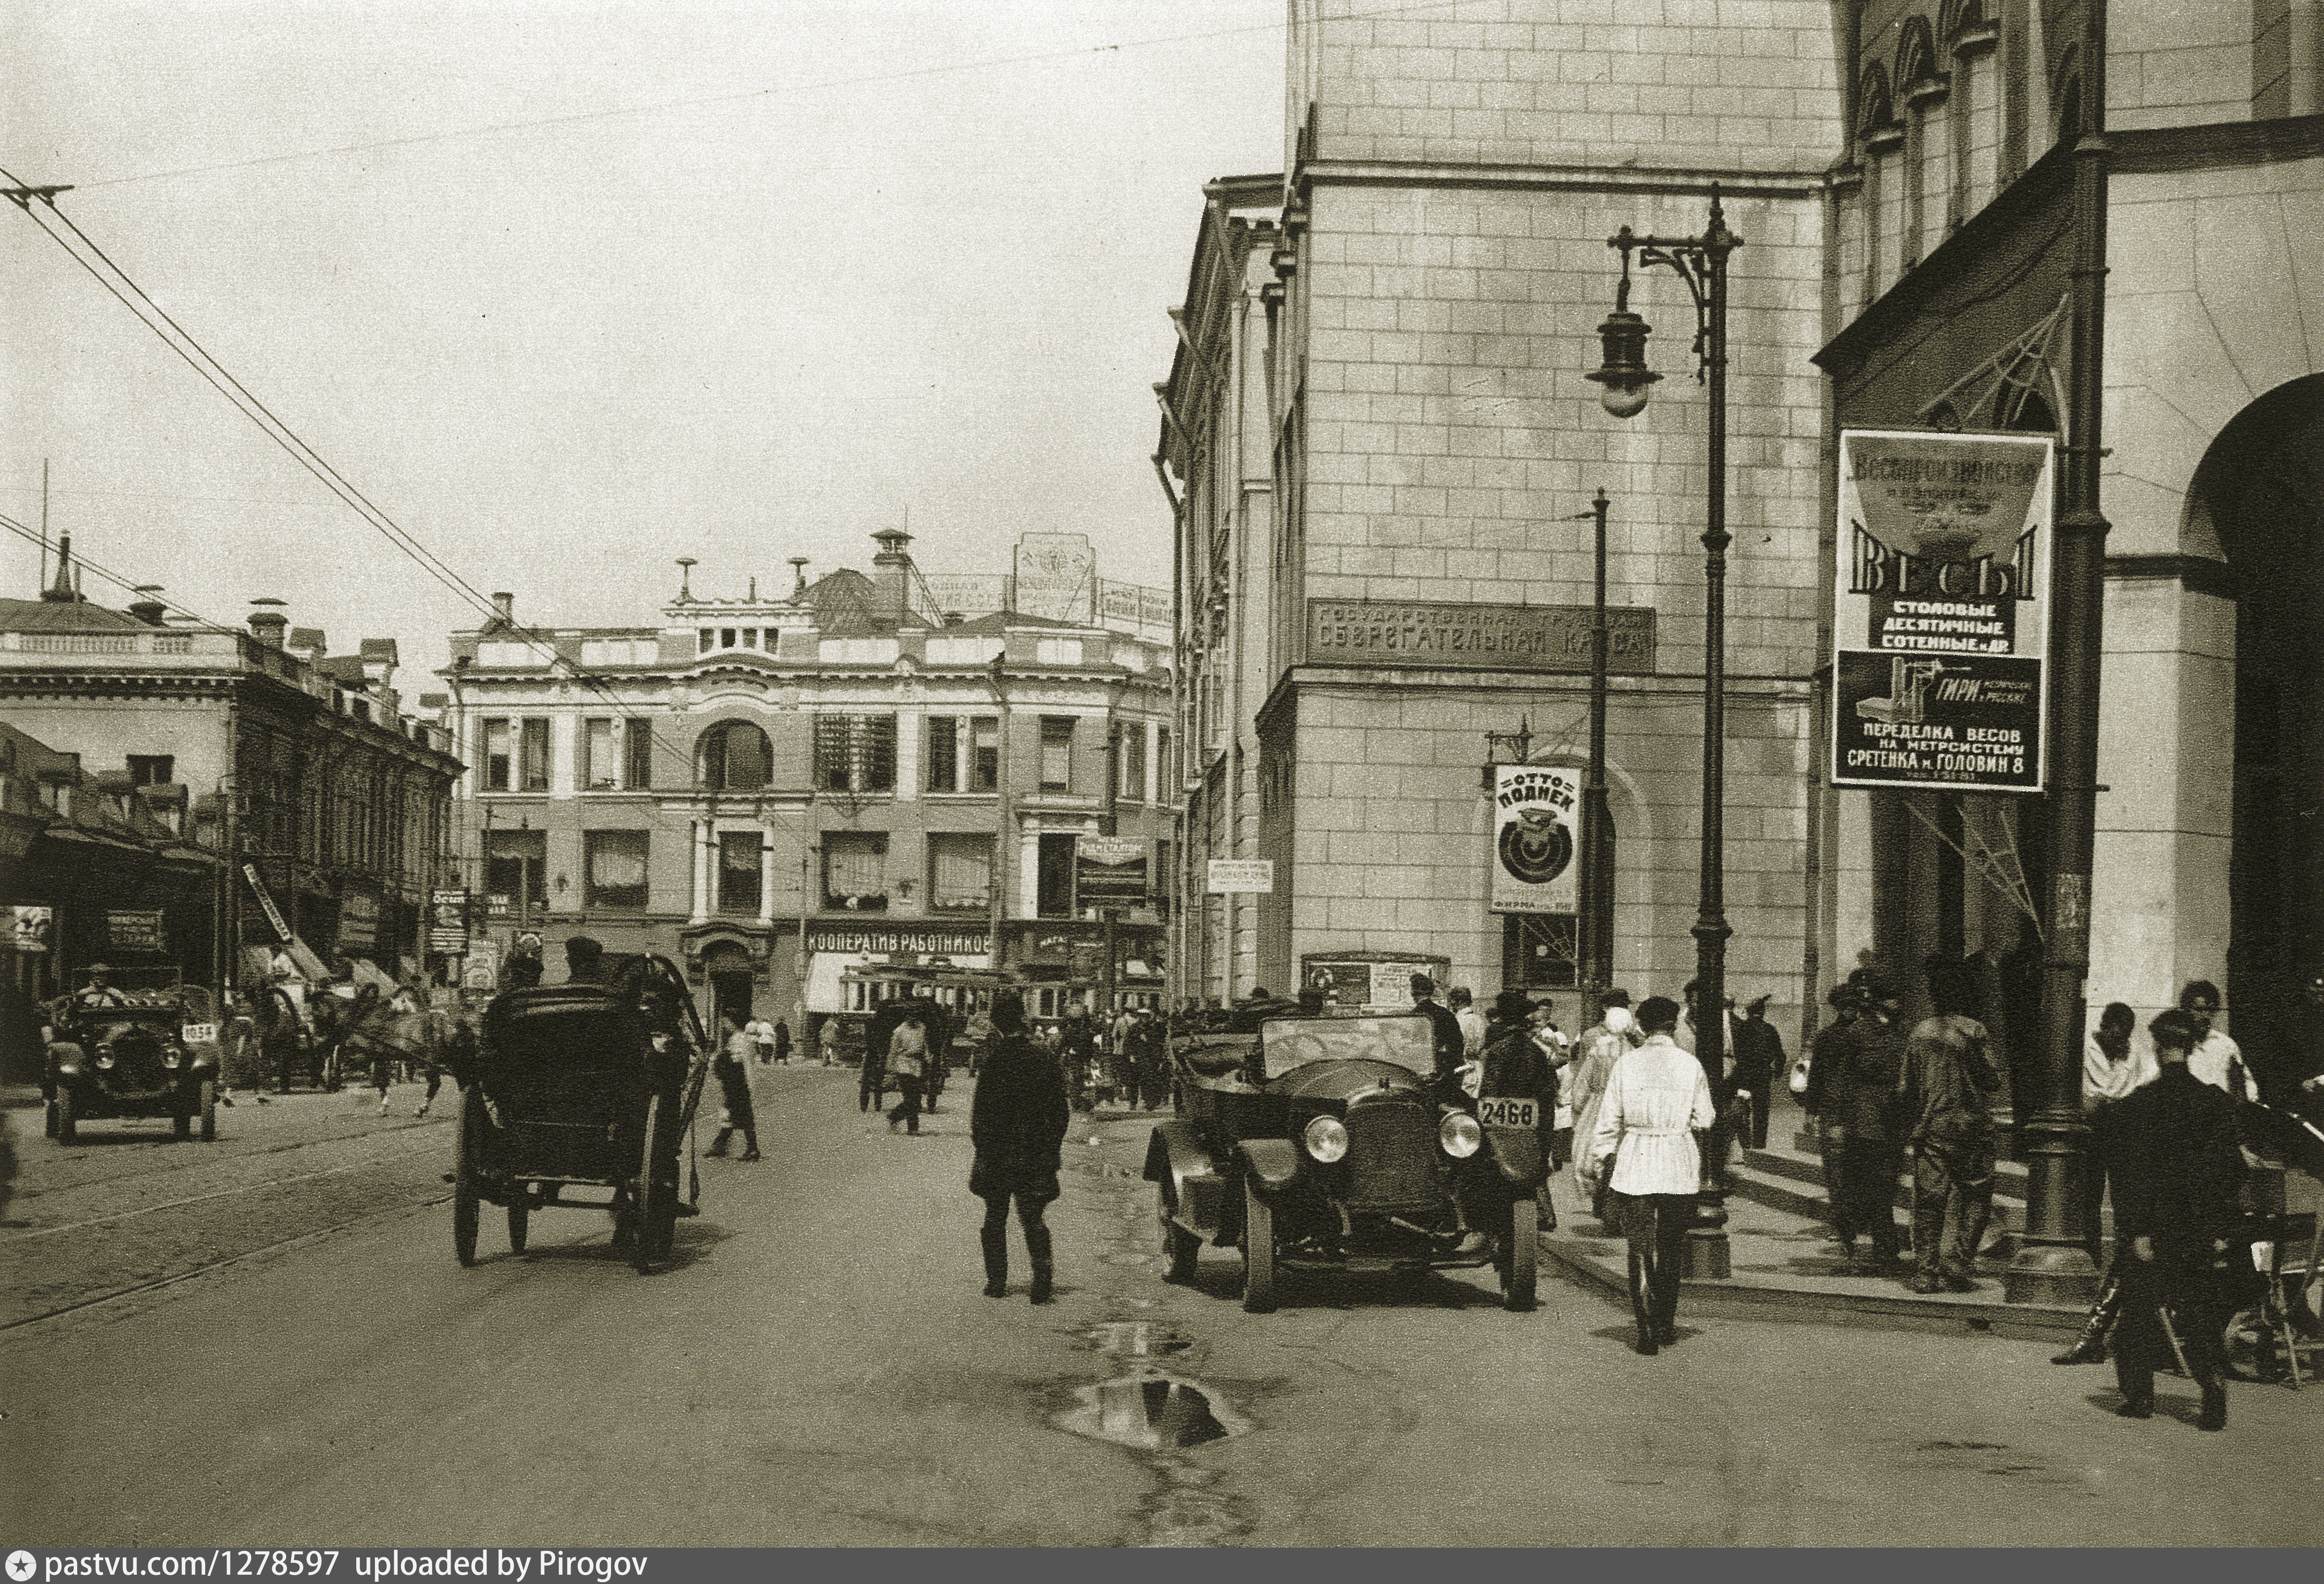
[{"x": 1344, "y": 1079}]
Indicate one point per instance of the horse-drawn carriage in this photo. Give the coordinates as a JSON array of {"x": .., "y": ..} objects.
[{"x": 582, "y": 1086}]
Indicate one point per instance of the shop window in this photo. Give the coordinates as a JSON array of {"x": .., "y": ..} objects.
[
  {"x": 855, "y": 753},
  {"x": 1540, "y": 950},
  {"x": 960, "y": 873},
  {"x": 1054, "y": 894},
  {"x": 151, "y": 769},
  {"x": 516, "y": 866},
  {"x": 614, "y": 869},
  {"x": 739, "y": 871},
  {"x": 1056, "y": 753},
  {"x": 534, "y": 763},
  {"x": 856, "y": 870},
  {"x": 735, "y": 757},
  {"x": 496, "y": 756}
]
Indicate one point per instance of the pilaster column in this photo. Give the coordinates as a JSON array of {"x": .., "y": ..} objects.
[
  {"x": 700, "y": 910},
  {"x": 766, "y": 874}
]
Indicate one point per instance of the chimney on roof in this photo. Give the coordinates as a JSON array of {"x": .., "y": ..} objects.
[
  {"x": 268, "y": 626},
  {"x": 891, "y": 573},
  {"x": 505, "y": 610},
  {"x": 62, "y": 590},
  {"x": 149, "y": 610},
  {"x": 799, "y": 578}
]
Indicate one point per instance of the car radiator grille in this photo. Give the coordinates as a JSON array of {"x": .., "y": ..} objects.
[{"x": 1392, "y": 1155}]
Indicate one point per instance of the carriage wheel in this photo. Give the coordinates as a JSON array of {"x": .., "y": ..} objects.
[
  {"x": 655, "y": 1217},
  {"x": 520, "y": 1222},
  {"x": 1258, "y": 1252},
  {"x": 467, "y": 1196},
  {"x": 1518, "y": 1281},
  {"x": 209, "y": 1112}
]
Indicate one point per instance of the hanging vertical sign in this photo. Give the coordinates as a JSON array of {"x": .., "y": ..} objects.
[
  {"x": 266, "y": 901},
  {"x": 1534, "y": 838},
  {"x": 1940, "y": 611}
]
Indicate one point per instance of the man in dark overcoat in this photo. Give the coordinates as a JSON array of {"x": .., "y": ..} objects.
[
  {"x": 1017, "y": 1122},
  {"x": 1759, "y": 1066},
  {"x": 1516, "y": 1067},
  {"x": 1860, "y": 1114},
  {"x": 2178, "y": 1172}
]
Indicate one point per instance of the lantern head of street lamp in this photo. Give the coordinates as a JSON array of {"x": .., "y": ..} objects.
[{"x": 1625, "y": 376}]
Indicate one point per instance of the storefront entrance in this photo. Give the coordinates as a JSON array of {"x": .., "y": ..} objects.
[
  {"x": 2262, "y": 488},
  {"x": 730, "y": 980}
]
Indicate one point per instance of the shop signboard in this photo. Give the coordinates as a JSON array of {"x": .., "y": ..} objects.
[
  {"x": 1251, "y": 876},
  {"x": 27, "y": 929},
  {"x": 1942, "y": 614},
  {"x": 1537, "y": 838},
  {"x": 1437, "y": 634},
  {"x": 448, "y": 923},
  {"x": 1109, "y": 872},
  {"x": 890, "y": 941},
  {"x": 135, "y": 929},
  {"x": 482, "y": 969},
  {"x": 358, "y": 922},
  {"x": 1056, "y": 574}
]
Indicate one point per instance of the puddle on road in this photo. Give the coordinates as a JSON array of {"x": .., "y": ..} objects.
[{"x": 1151, "y": 1412}]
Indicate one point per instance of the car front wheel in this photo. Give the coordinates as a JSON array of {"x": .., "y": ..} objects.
[
  {"x": 1258, "y": 1252},
  {"x": 1517, "y": 1276},
  {"x": 1180, "y": 1248},
  {"x": 68, "y": 1126}
]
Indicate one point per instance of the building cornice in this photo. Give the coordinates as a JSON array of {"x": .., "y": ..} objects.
[
  {"x": 2216, "y": 145},
  {"x": 1681, "y": 182}
]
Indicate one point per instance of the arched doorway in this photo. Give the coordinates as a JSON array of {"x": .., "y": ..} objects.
[
  {"x": 729, "y": 968},
  {"x": 2260, "y": 490}
]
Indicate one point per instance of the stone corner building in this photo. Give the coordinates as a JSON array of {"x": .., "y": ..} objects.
[{"x": 1378, "y": 419}]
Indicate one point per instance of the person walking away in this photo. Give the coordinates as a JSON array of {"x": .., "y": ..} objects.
[
  {"x": 1557, "y": 1124},
  {"x": 1758, "y": 1065},
  {"x": 1602, "y": 1045},
  {"x": 871, "y": 1078},
  {"x": 2217, "y": 1060},
  {"x": 1859, "y": 1100},
  {"x": 826, "y": 1042},
  {"x": 1016, "y": 1123},
  {"x": 782, "y": 1032},
  {"x": 908, "y": 1058},
  {"x": 1945, "y": 1092},
  {"x": 1450, "y": 1043},
  {"x": 1471, "y": 1021},
  {"x": 2177, "y": 1171},
  {"x": 1517, "y": 1066},
  {"x": 732, "y": 1067},
  {"x": 1150, "y": 1046},
  {"x": 762, "y": 1036},
  {"x": 2111, "y": 1072},
  {"x": 1644, "y": 1147},
  {"x": 979, "y": 1031},
  {"x": 1828, "y": 1055}
]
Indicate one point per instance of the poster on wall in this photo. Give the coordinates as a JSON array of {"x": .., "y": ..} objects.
[
  {"x": 1941, "y": 611},
  {"x": 1109, "y": 872},
  {"x": 26, "y": 929},
  {"x": 1378, "y": 982},
  {"x": 358, "y": 922},
  {"x": 1537, "y": 838},
  {"x": 448, "y": 923},
  {"x": 135, "y": 929}
]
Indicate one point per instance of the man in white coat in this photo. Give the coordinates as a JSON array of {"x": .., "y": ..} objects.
[{"x": 1656, "y": 1101}]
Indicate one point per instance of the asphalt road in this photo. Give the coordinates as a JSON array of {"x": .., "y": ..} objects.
[{"x": 818, "y": 1368}]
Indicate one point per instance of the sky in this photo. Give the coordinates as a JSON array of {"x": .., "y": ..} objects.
[{"x": 894, "y": 274}]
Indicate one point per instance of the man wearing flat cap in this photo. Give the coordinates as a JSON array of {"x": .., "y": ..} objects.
[{"x": 1759, "y": 1052}]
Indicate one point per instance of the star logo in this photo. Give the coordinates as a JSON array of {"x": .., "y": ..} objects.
[{"x": 21, "y": 1566}]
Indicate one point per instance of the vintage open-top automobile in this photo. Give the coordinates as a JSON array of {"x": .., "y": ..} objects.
[
  {"x": 1323, "y": 1142},
  {"x": 139, "y": 1051}
]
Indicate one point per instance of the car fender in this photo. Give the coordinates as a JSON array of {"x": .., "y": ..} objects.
[
  {"x": 66, "y": 1060},
  {"x": 1517, "y": 1157},
  {"x": 1271, "y": 1162},
  {"x": 1175, "y": 1154}
]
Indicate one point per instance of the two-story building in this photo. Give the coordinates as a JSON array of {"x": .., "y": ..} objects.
[{"x": 882, "y": 767}]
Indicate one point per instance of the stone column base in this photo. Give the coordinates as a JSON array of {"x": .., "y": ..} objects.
[{"x": 2062, "y": 1275}]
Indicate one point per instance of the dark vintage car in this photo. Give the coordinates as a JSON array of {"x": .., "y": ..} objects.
[
  {"x": 133, "y": 1053},
  {"x": 1323, "y": 1143}
]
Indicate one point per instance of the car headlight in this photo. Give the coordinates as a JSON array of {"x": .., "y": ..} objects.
[
  {"x": 1459, "y": 1135},
  {"x": 1326, "y": 1139},
  {"x": 105, "y": 1061}
]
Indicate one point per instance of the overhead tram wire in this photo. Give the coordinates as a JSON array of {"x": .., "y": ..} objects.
[
  {"x": 779, "y": 91},
  {"x": 224, "y": 381}
]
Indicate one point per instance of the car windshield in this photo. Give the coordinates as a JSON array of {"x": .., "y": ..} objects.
[{"x": 1286, "y": 1043}]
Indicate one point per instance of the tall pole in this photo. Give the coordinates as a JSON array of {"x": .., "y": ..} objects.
[
  {"x": 1707, "y": 1252},
  {"x": 1597, "y": 921},
  {"x": 2052, "y": 1264},
  {"x": 997, "y": 889}
]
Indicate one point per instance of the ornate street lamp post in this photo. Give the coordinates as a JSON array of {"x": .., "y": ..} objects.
[
  {"x": 1597, "y": 921},
  {"x": 1700, "y": 261}
]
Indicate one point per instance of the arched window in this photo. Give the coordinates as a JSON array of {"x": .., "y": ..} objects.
[
  {"x": 733, "y": 757},
  {"x": 1926, "y": 158},
  {"x": 1974, "y": 108},
  {"x": 1876, "y": 138}
]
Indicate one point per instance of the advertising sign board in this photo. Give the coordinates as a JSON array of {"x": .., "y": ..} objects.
[
  {"x": 1377, "y": 982},
  {"x": 1537, "y": 838},
  {"x": 1241, "y": 874},
  {"x": 1942, "y": 614},
  {"x": 266, "y": 901},
  {"x": 358, "y": 922},
  {"x": 27, "y": 929},
  {"x": 1480, "y": 637},
  {"x": 448, "y": 923},
  {"x": 135, "y": 929},
  {"x": 1109, "y": 872}
]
